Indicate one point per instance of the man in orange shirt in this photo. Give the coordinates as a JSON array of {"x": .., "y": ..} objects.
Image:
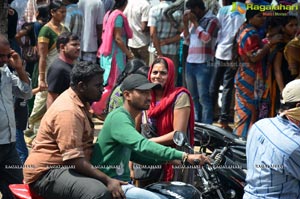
[{"x": 59, "y": 163}]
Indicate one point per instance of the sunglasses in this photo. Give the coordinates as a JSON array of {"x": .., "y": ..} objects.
[{"x": 6, "y": 55}]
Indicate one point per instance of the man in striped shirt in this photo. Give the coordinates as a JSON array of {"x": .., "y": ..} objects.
[
  {"x": 202, "y": 35},
  {"x": 74, "y": 17},
  {"x": 273, "y": 151},
  {"x": 164, "y": 37}
]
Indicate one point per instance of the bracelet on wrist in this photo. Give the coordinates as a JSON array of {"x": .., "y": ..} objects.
[{"x": 184, "y": 157}]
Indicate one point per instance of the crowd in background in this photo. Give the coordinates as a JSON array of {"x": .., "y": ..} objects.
[
  {"x": 189, "y": 48},
  {"x": 252, "y": 55}
]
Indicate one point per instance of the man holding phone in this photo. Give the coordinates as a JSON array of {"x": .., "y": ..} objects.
[{"x": 11, "y": 86}]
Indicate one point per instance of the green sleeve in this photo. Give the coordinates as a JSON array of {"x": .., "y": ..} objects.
[
  {"x": 123, "y": 131},
  {"x": 44, "y": 32},
  {"x": 143, "y": 159}
]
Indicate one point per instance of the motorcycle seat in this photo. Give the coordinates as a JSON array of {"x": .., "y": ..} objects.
[{"x": 22, "y": 191}]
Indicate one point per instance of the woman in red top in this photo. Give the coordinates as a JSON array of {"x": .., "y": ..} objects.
[{"x": 171, "y": 108}]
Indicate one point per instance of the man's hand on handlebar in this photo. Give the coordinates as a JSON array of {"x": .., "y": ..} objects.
[{"x": 197, "y": 159}]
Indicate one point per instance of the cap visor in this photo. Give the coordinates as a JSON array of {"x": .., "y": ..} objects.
[{"x": 147, "y": 86}]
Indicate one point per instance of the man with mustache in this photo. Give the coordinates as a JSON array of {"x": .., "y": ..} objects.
[{"x": 58, "y": 77}]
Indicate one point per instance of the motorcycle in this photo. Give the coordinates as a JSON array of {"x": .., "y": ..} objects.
[
  {"x": 229, "y": 154},
  {"x": 223, "y": 178}
]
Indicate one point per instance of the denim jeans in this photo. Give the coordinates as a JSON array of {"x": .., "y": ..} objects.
[
  {"x": 198, "y": 77},
  {"x": 223, "y": 74},
  {"x": 10, "y": 169},
  {"x": 21, "y": 145},
  {"x": 133, "y": 192}
]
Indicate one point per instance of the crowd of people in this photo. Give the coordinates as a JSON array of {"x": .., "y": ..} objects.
[{"x": 147, "y": 70}]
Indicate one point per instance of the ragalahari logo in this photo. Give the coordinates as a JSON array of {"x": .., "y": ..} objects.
[
  {"x": 274, "y": 10},
  {"x": 267, "y": 10},
  {"x": 238, "y": 7}
]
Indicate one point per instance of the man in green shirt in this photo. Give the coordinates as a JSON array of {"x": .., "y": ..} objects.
[{"x": 119, "y": 142}]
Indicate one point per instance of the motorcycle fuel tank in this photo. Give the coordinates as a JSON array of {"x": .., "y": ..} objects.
[{"x": 175, "y": 190}]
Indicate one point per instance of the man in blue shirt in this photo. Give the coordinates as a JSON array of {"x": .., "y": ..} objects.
[
  {"x": 10, "y": 86},
  {"x": 273, "y": 151}
]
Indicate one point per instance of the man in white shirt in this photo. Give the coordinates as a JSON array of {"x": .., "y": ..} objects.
[
  {"x": 93, "y": 13},
  {"x": 137, "y": 15},
  {"x": 11, "y": 86},
  {"x": 224, "y": 71}
]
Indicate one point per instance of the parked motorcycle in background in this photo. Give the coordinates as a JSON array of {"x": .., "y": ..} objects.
[{"x": 223, "y": 178}]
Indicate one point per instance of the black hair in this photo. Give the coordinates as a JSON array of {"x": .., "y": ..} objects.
[
  {"x": 43, "y": 12},
  {"x": 84, "y": 71},
  {"x": 279, "y": 22},
  {"x": 251, "y": 13},
  {"x": 27, "y": 26},
  {"x": 143, "y": 71},
  {"x": 287, "y": 19},
  {"x": 272, "y": 22},
  {"x": 119, "y": 4},
  {"x": 70, "y": 1},
  {"x": 195, "y": 3},
  {"x": 64, "y": 38},
  {"x": 227, "y": 2},
  {"x": 133, "y": 66},
  {"x": 160, "y": 60},
  {"x": 74, "y": 1},
  {"x": 55, "y": 5},
  {"x": 130, "y": 68}
]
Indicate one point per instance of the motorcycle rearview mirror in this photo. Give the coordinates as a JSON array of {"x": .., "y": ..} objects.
[{"x": 180, "y": 139}]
